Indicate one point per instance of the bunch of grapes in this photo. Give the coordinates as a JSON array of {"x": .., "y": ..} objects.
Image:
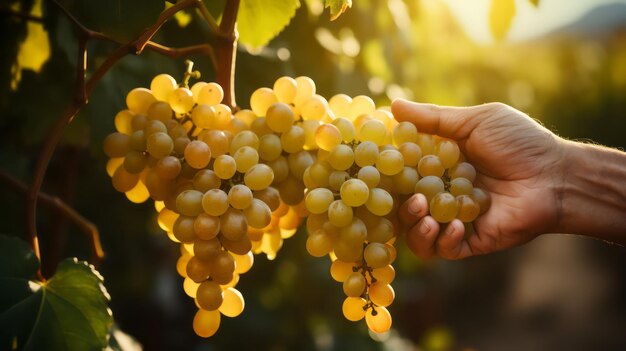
[{"x": 229, "y": 185}]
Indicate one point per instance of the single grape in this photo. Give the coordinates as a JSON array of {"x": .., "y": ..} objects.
[
  {"x": 346, "y": 128},
  {"x": 327, "y": 136},
  {"x": 197, "y": 154},
  {"x": 123, "y": 180},
  {"x": 209, "y": 295},
  {"x": 374, "y": 131},
  {"x": 353, "y": 308},
  {"x": 206, "y": 323},
  {"x": 340, "y": 270},
  {"x": 259, "y": 127},
  {"x": 381, "y": 231},
  {"x": 482, "y": 198},
  {"x": 160, "y": 111},
  {"x": 195, "y": 90},
  {"x": 429, "y": 186},
  {"x": 448, "y": 152},
  {"x": 381, "y": 294},
  {"x": 291, "y": 191},
  {"x": 206, "y": 227},
  {"x": 468, "y": 208},
  {"x": 306, "y": 89},
  {"x": 217, "y": 140},
  {"x": 354, "y": 285},
  {"x": 261, "y": 99},
  {"x": 293, "y": 139},
  {"x": 426, "y": 142},
  {"x": 443, "y": 207},
  {"x": 210, "y": 94},
  {"x": 460, "y": 186},
  {"x": 340, "y": 105},
  {"x": 203, "y": 116},
  {"x": 162, "y": 85},
  {"x": 299, "y": 162},
  {"x": 354, "y": 192},
  {"x": 181, "y": 100},
  {"x": 354, "y": 234},
  {"x": 341, "y": 157},
  {"x": 117, "y": 145},
  {"x": 318, "y": 200},
  {"x": 315, "y": 108},
  {"x": 197, "y": 269},
  {"x": 233, "y": 303},
  {"x": 139, "y": 100},
  {"x": 379, "y": 202},
  {"x": 430, "y": 165},
  {"x": 376, "y": 255},
  {"x": 279, "y": 117},
  {"x": 240, "y": 196},
  {"x": 246, "y": 157},
  {"x": 319, "y": 244},
  {"x": 384, "y": 275},
  {"x": 270, "y": 196},
  {"x": 462, "y": 170},
  {"x": 189, "y": 203},
  {"x": 405, "y": 181},
  {"x": 205, "y": 179},
  {"x": 259, "y": 176},
  {"x": 369, "y": 175},
  {"x": 233, "y": 224},
  {"x": 411, "y": 153},
  {"x": 361, "y": 105},
  {"x": 225, "y": 167},
  {"x": 280, "y": 168},
  {"x": 378, "y": 321},
  {"x": 215, "y": 202},
  {"x": 339, "y": 214},
  {"x": 123, "y": 122},
  {"x": 285, "y": 89},
  {"x": 336, "y": 179},
  {"x": 244, "y": 138},
  {"x": 270, "y": 147},
  {"x": 366, "y": 154},
  {"x": 390, "y": 162},
  {"x": 258, "y": 214},
  {"x": 404, "y": 132}
]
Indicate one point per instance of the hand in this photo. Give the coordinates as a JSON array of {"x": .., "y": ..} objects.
[{"x": 517, "y": 163}]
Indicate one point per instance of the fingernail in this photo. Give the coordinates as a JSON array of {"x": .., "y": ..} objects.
[
  {"x": 449, "y": 229},
  {"x": 424, "y": 227},
  {"x": 414, "y": 207}
]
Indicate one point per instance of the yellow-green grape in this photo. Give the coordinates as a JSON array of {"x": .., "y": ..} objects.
[
  {"x": 259, "y": 176},
  {"x": 206, "y": 226},
  {"x": 159, "y": 145},
  {"x": 181, "y": 100},
  {"x": 306, "y": 90},
  {"x": 379, "y": 321},
  {"x": 243, "y": 263},
  {"x": 195, "y": 90},
  {"x": 390, "y": 162},
  {"x": 319, "y": 172},
  {"x": 215, "y": 202},
  {"x": 123, "y": 122},
  {"x": 209, "y": 295},
  {"x": 222, "y": 267},
  {"x": 314, "y": 108},
  {"x": 160, "y": 111},
  {"x": 240, "y": 196},
  {"x": 348, "y": 251},
  {"x": 348, "y": 133},
  {"x": 340, "y": 105},
  {"x": 411, "y": 153},
  {"x": 285, "y": 89},
  {"x": 298, "y": 163},
  {"x": 247, "y": 116},
  {"x": 366, "y": 154},
  {"x": 462, "y": 170},
  {"x": 460, "y": 186},
  {"x": 259, "y": 127},
  {"x": 429, "y": 186},
  {"x": 310, "y": 130},
  {"x": 210, "y": 94},
  {"x": 206, "y": 179},
  {"x": 361, "y": 105},
  {"x": 217, "y": 140},
  {"x": 430, "y": 165},
  {"x": 381, "y": 231},
  {"x": 138, "y": 122},
  {"x": 293, "y": 139},
  {"x": 340, "y": 270},
  {"x": 384, "y": 275},
  {"x": 448, "y": 152},
  {"x": 354, "y": 285},
  {"x": 308, "y": 181},
  {"x": 404, "y": 182},
  {"x": 482, "y": 198},
  {"x": 336, "y": 179},
  {"x": 123, "y": 180},
  {"x": 340, "y": 214},
  {"x": 468, "y": 208},
  {"x": 235, "y": 247},
  {"x": 154, "y": 126},
  {"x": 258, "y": 214},
  {"x": 246, "y": 157},
  {"x": 341, "y": 157},
  {"x": 354, "y": 192},
  {"x": 360, "y": 120},
  {"x": 206, "y": 323},
  {"x": 369, "y": 175},
  {"x": 223, "y": 115},
  {"x": 443, "y": 207},
  {"x": 233, "y": 224},
  {"x": 233, "y": 303},
  {"x": 270, "y": 196},
  {"x": 117, "y": 145},
  {"x": 319, "y": 244},
  {"x": 374, "y": 131},
  {"x": 318, "y": 200},
  {"x": 162, "y": 85},
  {"x": 327, "y": 136},
  {"x": 381, "y": 294},
  {"x": 190, "y": 287},
  {"x": 404, "y": 132},
  {"x": 139, "y": 100},
  {"x": 197, "y": 154},
  {"x": 280, "y": 168},
  {"x": 261, "y": 99},
  {"x": 353, "y": 308},
  {"x": 354, "y": 234},
  {"x": 244, "y": 138},
  {"x": 183, "y": 230},
  {"x": 225, "y": 167},
  {"x": 203, "y": 115},
  {"x": 379, "y": 202},
  {"x": 279, "y": 117},
  {"x": 270, "y": 147},
  {"x": 189, "y": 203},
  {"x": 376, "y": 255},
  {"x": 315, "y": 222},
  {"x": 426, "y": 142}
]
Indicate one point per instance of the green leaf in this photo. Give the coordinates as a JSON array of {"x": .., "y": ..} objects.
[
  {"x": 68, "y": 312},
  {"x": 259, "y": 21},
  {"x": 337, "y": 7},
  {"x": 500, "y": 17},
  {"x": 534, "y": 2}
]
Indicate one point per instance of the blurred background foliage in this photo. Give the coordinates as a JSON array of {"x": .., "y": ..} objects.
[{"x": 559, "y": 292}]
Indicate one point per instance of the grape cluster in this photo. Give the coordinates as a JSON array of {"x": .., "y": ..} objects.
[{"x": 229, "y": 185}]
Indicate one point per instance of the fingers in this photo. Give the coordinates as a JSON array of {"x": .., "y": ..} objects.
[
  {"x": 421, "y": 237},
  {"x": 426, "y": 241},
  {"x": 413, "y": 209},
  {"x": 451, "y": 244}
]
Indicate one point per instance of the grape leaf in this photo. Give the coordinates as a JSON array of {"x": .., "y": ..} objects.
[
  {"x": 337, "y": 7},
  {"x": 68, "y": 312},
  {"x": 259, "y": 21},
  {"x": 500, "y": 17}
]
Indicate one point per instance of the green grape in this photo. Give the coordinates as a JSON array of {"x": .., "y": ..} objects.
[
  {"x": 340, "y": 105},
  {"x": 346, "y": 128},
  {"x": 181, "y": 100},
  {"x": 246, "y": 116},
  {"x": 376, "y": 255},
  {"x": 379, "y": 202},
  {"x": 123, "y": 180},
  {"x": 206, "y": 180},
  {"x": 369, "y": 175},
  {"x": 348, "y": 252},
  {"x": 384, "y": 275},
  {"x": 327, "y": 136},
  {"x": 240, "y": 196},
  {"x": 206, "y": 227},
  {"x": 404, "y": 132},
  {"x": 162, "y": 85},
  {"x": 123, "y": 122},
  {"x": 217, "y": 140},
  {"x": 353, "y": 308},
  {"x": 448, "y": 152},
  {"x": 210, "y": 94},
  {"x": 223, "y": 116},
  {"x": 381, "y": 294},
  {"x": 318, "y": 200},
  {"x": 310, "y": 130},
  {"x": 443, "y": 207},
  {"x": 244, "y": 262},
  {"x": 215, "y": 202},
  {"x": 316, "y": 221},
  {"x": 261, "y": 99},
  {"x": 240, "y": 246},
  {"x": 381, "y": 231},
  {"x": 209, "y": 295},
  {"x": 189, "y": 203},
  {"x": 354, "y": 234},
  {"x": 154, "y": 126},
  {"x": 225, "y": 167},
  {"x": 374, "y": 131},
  {"x": 463, "y": 170},
  {"x": 429, "y": 186},
  {"x": 411, "y": 153},
  {"x": 244, "y": 138},
  {"x": 361, "y": 105},
  {"x": 336, "y": 179},
  {"x": 386, "y": 117},
  {"x": 195, "y": 90},
  {"x": 197, "y": 154},
  {"x": 482, "y": 198},
  {"x": 354, "y": 285},
  {"x": 270, "y": 147},
  {"x": 468, "y": 208},
  {"x": 259, "y": 127},
  {"x": 258, "y": 214},
  {"x": 340, "y": 270},
  {"x": 270, "y": 196},
  {"x": 160, "y": 111},
  {"x": 233, "y": 303},
  {"x": 460, "y": 186},
  {"x": 360, "y": 120},
  {"x": 139, "y": 100},
  {"x": 306, "y": 89},
  {"x": 285, "y": 89},
  {"x": 138, "y": 122},
  {"x": 319, "y": 244},
  {"x": 366, "y": 154},
  {"x": 298, "y": 163},
  {"x": 203, "y": 116},
  {"x": 341, "y": 157},
  {"x": 404, "y": 182},
  {"x": 180, "y": 144},
  {"x": 314, "y": 108},
  {"x": 390, "y": 162},
  {"x": 206, "y": 250},
  {"x": 430, "y": 165},
  {"x": 379, "y": 322},
  {"x": 233, "y": 224},
  {"x": 259, "y": 177},
  {"x": 183, "y": 229},
  {"x": 426, "y": 142},
  {"x": 222, "y": 265},
  {"x": 117, "y": 145},
  {"x": 291, "y": 191},
  {"x": 159, "y": 188},
  {"x": 293, "y": 139},
  {"x": 280, "y": 168},
  {"x": 368, "y": 218},
  {"x": 354, "y": 192},
  {"x": 246, "y": 157},
  {"x": 159, "y": 145},
  {"x": 279, "y": 117},
  {"x": 206, "y": 323},
  {"x": 319, "y": 172},
  {"x": 340, "y": 214},
  {"x": 197, "y": 269}
]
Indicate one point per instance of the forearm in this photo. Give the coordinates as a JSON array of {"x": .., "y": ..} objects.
[{"x": 593, "y": 193}]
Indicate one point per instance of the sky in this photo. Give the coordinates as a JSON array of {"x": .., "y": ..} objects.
[{"x": 528, "y": 22}]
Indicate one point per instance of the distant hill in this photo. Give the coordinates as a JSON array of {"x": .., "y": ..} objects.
[{"x": 598, "y": 22}]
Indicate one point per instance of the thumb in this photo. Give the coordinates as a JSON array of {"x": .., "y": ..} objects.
[{"x": 448, "y": 122}]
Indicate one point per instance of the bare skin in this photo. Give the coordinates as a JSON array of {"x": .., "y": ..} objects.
[{"x": 538, "y": 182}]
